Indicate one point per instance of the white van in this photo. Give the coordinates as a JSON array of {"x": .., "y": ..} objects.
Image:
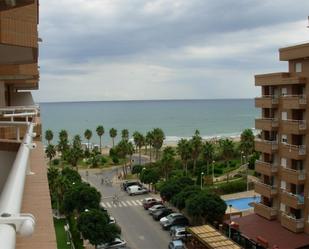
[{"x": 136, "y": 190}]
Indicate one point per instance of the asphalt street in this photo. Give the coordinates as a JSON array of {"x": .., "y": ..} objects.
[{"x": 137, "y": 226}]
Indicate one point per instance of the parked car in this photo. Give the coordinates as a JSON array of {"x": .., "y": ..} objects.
[
  {"x": 117, "y": 243},
  {"x": 127, "y": 184},
  {"x": 155, "y": 208},
  {"x": 180, "y": 233},
  {"x": 112, "y": 220},
  {"x": 173, "y": 229},
  {"x": 157, "y": 215},
  {"x": 172, "y": 221},
  {"x": 147, "y": 200},
  {"x": 149, "y": 204},
  {"x": 172, "y": 215},
  {"x": 176, "y": 244},
  {"x": 137, "y": 190}
]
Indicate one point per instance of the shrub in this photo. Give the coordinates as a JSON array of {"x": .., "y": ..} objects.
[
  {"x": 103, "y": 160},
  {"x": 115, "y": 160},
  {"x": 55, "y": 162},
  {"x": 230, "y": 187}
]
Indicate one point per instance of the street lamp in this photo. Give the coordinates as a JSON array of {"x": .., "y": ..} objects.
[
  {"x": 230, "y": 206},
  {"x": 241, "y": 157},
  {"x": 202, "y": 173},
  {"x": 213, "y": 172}
]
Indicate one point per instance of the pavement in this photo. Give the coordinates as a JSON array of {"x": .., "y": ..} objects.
[{"x": 137, "y": 226}]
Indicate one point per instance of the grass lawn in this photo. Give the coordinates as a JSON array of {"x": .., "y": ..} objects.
[{"x": 61, "y": 234}]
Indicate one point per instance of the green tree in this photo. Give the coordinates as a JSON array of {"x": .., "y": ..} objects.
[
  {"x": 184, "y": 151},
  {"x": 149, "y": 141},
  {"x": 122, "y": 150},
  {"x": 139, "y": 141},
  {"x": 196, "y": 147},
  {"x": 63, "y": 144},
  {"x": 88, "y": 135},
  {"x": 137, "y": 169},
  {"x": 100, "y": 132},
  {"x": 50, "y": 152},
  {"x": 72, "y": 176},
  {"x": 168, "y": 160},
  {"x": 49, "y": 135},
  {"x": 63, "y": 135},
  {"x": 113, "y": 134},
  {"x": 208, "y": 153},
  {"x": 247, "y": 142},
  {"x": 94, "y": 226},
  {"x": 80, "y": 197},
  {"x": 227, "y": 152},
  {"x": 179, "y": 200},
  {"x": 206, "y": 205},
  {"x": 158, "y": 138},
  {"x": 149, "y": 176},
  {"x": 125, "y": 134}
]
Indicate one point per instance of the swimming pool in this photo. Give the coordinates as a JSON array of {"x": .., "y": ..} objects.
[{"x": 242, "y": 203}]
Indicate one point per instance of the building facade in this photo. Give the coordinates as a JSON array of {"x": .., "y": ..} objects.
[
  {"x": 23, "y": 177},
  {"x": 284, "y": 142}
]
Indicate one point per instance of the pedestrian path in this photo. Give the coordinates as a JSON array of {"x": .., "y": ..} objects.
[{"x": 122, "y": 203}]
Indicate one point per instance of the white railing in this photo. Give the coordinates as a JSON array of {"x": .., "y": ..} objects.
[{"x": 11, "y": 221}]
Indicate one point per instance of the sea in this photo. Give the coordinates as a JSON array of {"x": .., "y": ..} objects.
[{"x": 177, "y": 118}]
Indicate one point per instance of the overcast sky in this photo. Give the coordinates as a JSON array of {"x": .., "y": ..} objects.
[{"x": 163, "y": 49}]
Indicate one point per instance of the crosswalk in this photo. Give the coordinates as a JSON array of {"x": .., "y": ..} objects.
[{"x": 120, "y": 203}]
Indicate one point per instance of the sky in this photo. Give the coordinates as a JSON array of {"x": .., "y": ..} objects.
[{"x": 97, "y": 50}]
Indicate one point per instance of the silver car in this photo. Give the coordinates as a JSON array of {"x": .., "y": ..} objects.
[{"x": 117, "y": 243}]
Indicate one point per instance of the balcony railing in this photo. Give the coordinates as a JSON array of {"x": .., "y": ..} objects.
[
  {"x": 265, "y": 211},
  {"x": 294, "y": 151},
  {"x": 265, "y": 190},
  {"x": 266, "y": 146},
  {"x": 294, "y": 126},
  {"x": 266, "y": 123},
  {"x": 266, "y": 168},
  {"x": 292, "y": 200},
  {"x": 266, "y": 101},
  {"x": 291, "y": 223},
  {"x": 293, "y": 101}
]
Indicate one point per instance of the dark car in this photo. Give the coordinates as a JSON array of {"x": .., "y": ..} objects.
[
  {"x": 178, "y": 220},
  {"x": 161, "y": 213},
  {"x": 151, "y": 203},
  {"x": 127, "y": 184}
]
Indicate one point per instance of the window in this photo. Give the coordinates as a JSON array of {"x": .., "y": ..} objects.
[
  {"x": 283, "y": 185},
  {"x": 298, "y": 67},
  {"x": 284, "y": 116},
  {"x": 283, "y": 162},
  {"x": 284, "y": 91},
  {"x": 282, "y": 207},
  {"x": 284, "y": 138}
]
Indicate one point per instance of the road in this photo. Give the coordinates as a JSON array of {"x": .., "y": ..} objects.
[{"x": 137, "y": 226}]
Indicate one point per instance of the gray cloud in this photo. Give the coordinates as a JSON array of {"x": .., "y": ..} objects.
[{"x": 142, "y": 39}]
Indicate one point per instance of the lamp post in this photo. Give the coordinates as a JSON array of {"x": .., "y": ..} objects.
[
  {"x": 202, "y": 173},
  {"x": 241, "y": 157},
  {"x": 230, "y": 206},
  {"x": 213, "y": 172}
]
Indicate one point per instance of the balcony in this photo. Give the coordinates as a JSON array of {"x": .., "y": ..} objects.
[
  {"x": 266, "y": 101},
  {"x": 265, "y": 168},
  {"x": 265, "y": 211},
  {"x": 265, "y": 189},
  {"x": 267, "y": 124},
  {"x": 293, "y": 176},
  {"x": 266, "y": 146},
  {"x": 294, "y": 52},
  {"x": 292, "y": 200},
  {"x": 291, "y": 223},
  {"x": 293, "y": 126},
  {"x": 297, "y": 152},
  {"x": 294, "y": 102},
  {"x": 278, "y": 79}
]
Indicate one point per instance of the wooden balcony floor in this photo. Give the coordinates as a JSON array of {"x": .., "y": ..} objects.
[{"x": 37, "y": 202}]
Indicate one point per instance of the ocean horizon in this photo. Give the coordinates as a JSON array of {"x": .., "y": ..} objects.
[{"x": 177, "y": 118}]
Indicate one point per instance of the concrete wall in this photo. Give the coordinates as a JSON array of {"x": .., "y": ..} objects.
[{"x": 21, "y": 99}]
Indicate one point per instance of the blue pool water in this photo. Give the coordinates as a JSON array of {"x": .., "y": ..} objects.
[{"x": 242, "y": 203}]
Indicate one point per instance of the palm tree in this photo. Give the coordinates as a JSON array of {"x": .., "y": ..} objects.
[
  {"x": 125, "y": 134},
  {"x": 63, "y": 135},
  {"x": 88, "y": 135},
  {"x": 122, "y": 150},
  {"x": 227, "y": 152},
  {"x": 63, "y": 144},
  {"x": 184, "y": 151},
  {"x": 113, "y": 134},
  {"x": 247, "y": 142},
  {"x": 49, "y": 135},
  {"x": 77, "y": 142},
  {"x": 158, "y": 138},
  {"x": 50, "y": 152},
  {"x": 208, "y": 153},
  {"x": 168, "y": 160},
  {"x": 130, "y": 153},
  {"x": 149, "y": 141},
  {"x": 100, "y": 132},
  {"x": 139, "y": 141},
  {"x": 196, "y": 147}
]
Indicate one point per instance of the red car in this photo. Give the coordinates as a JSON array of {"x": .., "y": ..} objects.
[{"x": 149, "y": 203}]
